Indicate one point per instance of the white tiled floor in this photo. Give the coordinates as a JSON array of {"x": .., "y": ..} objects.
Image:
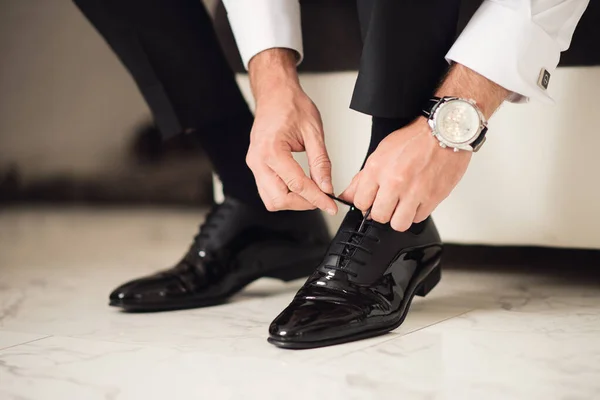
[{"x": 481, "y": 334}]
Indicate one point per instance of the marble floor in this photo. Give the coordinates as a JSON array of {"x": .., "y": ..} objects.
[{"x": 511, "y": 327}]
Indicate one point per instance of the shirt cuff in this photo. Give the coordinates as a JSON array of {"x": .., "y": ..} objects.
[
  {"x": 509, "y": 49},
  {"x": 259, "y": 25}
]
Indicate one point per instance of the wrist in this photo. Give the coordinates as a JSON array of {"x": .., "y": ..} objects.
[
  {"x": 421, "y": 125},
  {"x": 272, "y": 70},
  {"x": 418, "y": 127},
  {"x": 465, "y": 83}
]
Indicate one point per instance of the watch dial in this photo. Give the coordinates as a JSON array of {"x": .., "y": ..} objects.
[{"x": 457, "y": 121}]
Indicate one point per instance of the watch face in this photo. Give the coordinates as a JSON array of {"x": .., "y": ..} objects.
[{"x": 457, "y": 121}]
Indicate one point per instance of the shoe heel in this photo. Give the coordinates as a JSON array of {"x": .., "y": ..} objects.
[
  {"x": 430, "y": 282},
  {"x": 295, "y": 272}
]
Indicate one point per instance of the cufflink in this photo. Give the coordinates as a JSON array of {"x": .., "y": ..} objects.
[{"x": 544, "y": 79}]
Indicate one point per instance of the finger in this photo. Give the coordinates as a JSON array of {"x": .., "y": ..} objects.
[
  {"x": 350, "y": 192},
  {"x": 276, "y": 195},
  {"x": 292, "y": 174},
  {"x": 365, "y": 193},
  {"x": 384, "y": 205},
  {"x": 319, "y": 163},
  {"x": 404, "y": 215}
]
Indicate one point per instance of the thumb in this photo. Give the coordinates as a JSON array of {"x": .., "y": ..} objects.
[
  {"x": 319, "y": 164},
  {"x": 350, "y": 192}
]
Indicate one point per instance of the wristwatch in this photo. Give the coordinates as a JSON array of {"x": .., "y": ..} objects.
[{"x": 456, "y": 123}]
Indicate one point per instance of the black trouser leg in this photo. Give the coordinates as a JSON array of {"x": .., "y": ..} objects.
[
  {"x": 171, "y": 50},
  {"x": 404, "y": 44}
]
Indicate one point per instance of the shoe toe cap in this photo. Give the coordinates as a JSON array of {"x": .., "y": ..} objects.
[
  {"x": 153, "y": 289},
  {"x": 310, "y": 321}
]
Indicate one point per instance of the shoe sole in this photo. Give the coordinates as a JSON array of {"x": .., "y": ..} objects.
[
  {"x": 300, "y": 269},
  {"x": 428, "y": 279}
]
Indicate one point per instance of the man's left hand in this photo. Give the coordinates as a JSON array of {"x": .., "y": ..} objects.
[{"x": 407, "y": 176}]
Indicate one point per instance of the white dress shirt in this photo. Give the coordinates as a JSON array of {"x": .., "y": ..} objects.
[{"x": 510, "y": 42}]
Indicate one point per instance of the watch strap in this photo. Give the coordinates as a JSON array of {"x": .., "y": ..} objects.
[
  {"x": 478, "y": 142},
  {"x": 429, "y": 106}
]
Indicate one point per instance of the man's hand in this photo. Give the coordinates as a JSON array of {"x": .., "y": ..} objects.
[
  {"x": 286, "y": 121},
  {"x": 409, "y": 174}
]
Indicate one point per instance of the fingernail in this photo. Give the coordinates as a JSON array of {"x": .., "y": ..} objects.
[
  {"x": 326, "y": 185},
  {"x": 330, "y": 211}
]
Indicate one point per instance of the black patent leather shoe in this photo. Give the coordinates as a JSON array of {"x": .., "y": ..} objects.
[
  {"x": 364, "y": 285},
  {"x": 236, "y": 245}
]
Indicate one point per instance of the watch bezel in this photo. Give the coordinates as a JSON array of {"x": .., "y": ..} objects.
[{"x": 432, "y": 120}]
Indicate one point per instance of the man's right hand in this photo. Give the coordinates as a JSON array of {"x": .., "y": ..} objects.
[{"x": 286, "y": 121}]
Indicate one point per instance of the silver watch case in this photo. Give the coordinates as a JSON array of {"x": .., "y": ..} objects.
[{"x": 453, "y": 145}]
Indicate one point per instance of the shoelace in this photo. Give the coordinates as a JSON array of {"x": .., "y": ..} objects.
[
  {"x": 210, "y": 224},
  {"x": 352, "y": 245},
  {"x": 198, "y": 247}
]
